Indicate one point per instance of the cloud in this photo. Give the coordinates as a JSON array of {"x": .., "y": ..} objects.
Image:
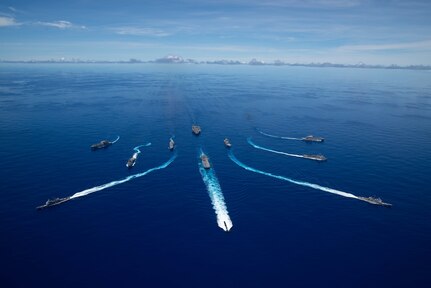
[
  {"x": 138, "y": 31},
  {"x": 393, "y": 46},
  {"x": 61, "y": 25},
  {"x": 6, "y": 21}
]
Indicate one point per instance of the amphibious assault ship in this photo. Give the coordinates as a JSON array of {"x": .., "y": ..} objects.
[
  {"x": 53, "y": 202},
  {"x": 196, "y": 129},
  {"x": 101, "y": 144},
  {"x": 375, "y": 201},
  {"x": 311, "y": 138},
  {"x": 205, "y": 161}
]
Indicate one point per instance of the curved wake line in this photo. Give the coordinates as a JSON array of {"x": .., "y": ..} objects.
[
  {"x": 273, "y": 151},
  {"x": 136, "y": 149},
  {"x": 278, "y": 137},
  {"x": 118, "y": 138},
  {"x": 302, "y": 183},
  {"x": 118, "y": 182},
  {"x": 217, "y": 199}
]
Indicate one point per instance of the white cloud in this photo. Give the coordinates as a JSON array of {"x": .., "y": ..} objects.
[
  {"x": 393, "y": 46},
  {"x": 6, "y": 21},
  {"x": 138, "y": 31},
  {"x": 61, "y": 25}
]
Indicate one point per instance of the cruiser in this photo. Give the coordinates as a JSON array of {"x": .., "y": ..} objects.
[
  {"x": 101, "y": 144},
  {"x": 311, "y": 138},
  {"x": 227, "y": 143},
  {"x": 171, "y": 144},
  {"x": 375, "y": 201},
  {"x": 205, "y": 161},
  {"x": 314, "y": 157},
  {"x": 53, "y": 202},
  {"x": 132, "y": 161},
  {"x": 196, "y": 129}
]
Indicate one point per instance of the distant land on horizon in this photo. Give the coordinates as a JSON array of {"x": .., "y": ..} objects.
[{"x": 173, "y": 59}]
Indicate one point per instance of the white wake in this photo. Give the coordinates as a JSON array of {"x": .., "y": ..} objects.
[
  {"x": 217, "y": 199},
  {"x": 118, "y": 182},
  {"x": 273, "y": 151},
  {"x": 278, "y": 137},
  {"x": 302, "y": 183}
]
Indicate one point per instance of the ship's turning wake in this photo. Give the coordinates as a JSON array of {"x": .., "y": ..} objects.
[
  {"x": 273, "y": 151},
  {"x": 118, "y": 138},
  {"x": 302, "y": 183},
  {"x": 278, "y": 137},
  {"x": 217, "y": 199},
  {"x": 118, "y": 182}
]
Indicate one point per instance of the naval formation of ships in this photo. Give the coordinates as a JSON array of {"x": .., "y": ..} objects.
[{"x": 196, "y": 130}]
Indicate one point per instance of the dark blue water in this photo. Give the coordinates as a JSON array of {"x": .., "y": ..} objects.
[{"x": 160, "y": 230}]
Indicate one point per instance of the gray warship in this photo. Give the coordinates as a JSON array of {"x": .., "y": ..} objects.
[
  {"x": 311, "y": 138},
  {"x": 205, "y": 161},
  {"x": 53, "y": 202},
  {"x": 196, "y": 129}
]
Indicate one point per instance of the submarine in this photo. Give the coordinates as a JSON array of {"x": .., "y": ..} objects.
[
  {"x": 53, "y": 202},
  {"x": 196, "y": 129},
  {"x": 205, "y": 161},
  {"x": 227, "y": 143},
  {"x": 311, "y": 138},
  {"x": 375, "y": 201},
  {"x": 132, "y": 161},
  {"x": 101, "y": 144},
  {"x": 171, "y": 144}
]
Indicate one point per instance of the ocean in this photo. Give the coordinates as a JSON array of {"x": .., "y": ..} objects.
[{"x": 162, "y": 223}]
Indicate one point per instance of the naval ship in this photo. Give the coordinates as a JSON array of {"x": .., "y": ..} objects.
[
  {"x": 227, "y": 143},
  {"x": 171, "y": 144},
  {"x": 53, "y": 202},
  {"x": 196, "y": 129},
  {"x": 311, "y": 138},
  {"x": 132, "y": 161},
  {"x": 314, "y": 157},
  {"x": 205, "y": 161},
  {"x": 375, "y": 201},
  {"x": 100, "y": 145}
]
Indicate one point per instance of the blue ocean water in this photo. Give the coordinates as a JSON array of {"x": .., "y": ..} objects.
[{"x": 160, "y": 229}]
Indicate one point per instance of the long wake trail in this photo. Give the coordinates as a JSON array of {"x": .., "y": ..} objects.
[
  {"x": 278, "y": 137},
  {"x": 302, "y": 183},
  {"x": 217, "y": 199},
  {"x": 273, "y": 151},
  {"x": 118, "y": 182}
]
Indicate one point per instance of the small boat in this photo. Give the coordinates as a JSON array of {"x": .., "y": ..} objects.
[
  {"x": 311, "y": 138},
  {"x": 53, "y": 202},
  {"x": 315, "y": 157},
  {"x": 227, "y": 143},
  {"x": 132, "y": 161},
  {"x": 171, "y": 144},
  {"x": 375, "y": 201},
  {"x": 101, "y": 144},
  {"x": 205, "y": 161},
  {"x": 196, "y": 129}
]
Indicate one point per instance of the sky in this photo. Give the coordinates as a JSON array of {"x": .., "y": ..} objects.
[{"x": 296, "y": 31}]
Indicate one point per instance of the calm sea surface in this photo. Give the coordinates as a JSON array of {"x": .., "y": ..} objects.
[{"x": 160, "y": 229}]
